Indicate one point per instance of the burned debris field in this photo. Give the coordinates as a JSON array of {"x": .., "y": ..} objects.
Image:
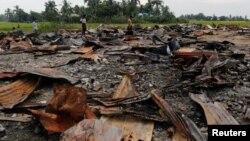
[{"x": 160, "y": 84}]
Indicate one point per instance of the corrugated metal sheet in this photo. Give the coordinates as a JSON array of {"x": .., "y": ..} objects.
[
  {"x": 16, "y": 92},
  {"x": 67, "y": 107},
  {"x": 45, "y": 72},
  {"x": 93, "y": 130},
  {"x": 50, "y": 73},
  {"x": 7, "y": 75},
  {"x": 190, "y": 52}
]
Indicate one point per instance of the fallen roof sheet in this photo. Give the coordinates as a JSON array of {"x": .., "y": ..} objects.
[
  {"x": 190, "y": 52},
  {"x": 215, "y": 113},
  {"x": 93, "y": 130},
  {"x": 67, "y": 107},
  {"x": 133, "y": 128},
  {"x": 186, "y": 130},
  {"x": 84, "y": 49},
  {"x": 51, "y": 73},
  {"x": 7, "y": 75},
  {"x": 16, "y": 92},
  {"x": 125, "y": 88},
  {"x": 45, "y": 72},
  {"x": 125, "y": 94}
]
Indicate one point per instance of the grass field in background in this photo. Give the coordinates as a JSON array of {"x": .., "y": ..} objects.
[
  {"x": 47, "y": 26},
  {"x": 239, "y": 23}
]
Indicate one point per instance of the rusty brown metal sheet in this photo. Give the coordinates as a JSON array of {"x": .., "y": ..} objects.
[
  {"x": 186, "y": 130},
  {"x": 125, "y": 88},
  {"x": 133, "y": 128},
  {"x": 9, "y": 38},
  {"x": 91, "y": 55},
  {"x": 97, "y": 58},
  {"x": 7, "y": 75},
  {"x": 84, "y": 50},
  {"x": 67, "y": 107},
  {"x": 203, "y": 32},
  {"x": 190, "y": 52},
  {"x": 53, "y": 48},
  {"x": 16, "y": 92},
  {"x": 50, "y": 73},
  {"x": 45, "y": 72},
  {"x": 93, "y": 130},
  {"x": 215, "y": 113},
  {"x": 21, "y": 45},
  {"x": 125, "y": 94}
]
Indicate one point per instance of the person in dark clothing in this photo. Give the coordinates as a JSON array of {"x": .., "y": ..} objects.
[
  {"x": 130, "y": 26},
  {"x": 84, "y": 24}
]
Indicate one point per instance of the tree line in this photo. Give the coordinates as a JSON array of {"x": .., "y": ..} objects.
[
  {"x": 201, "y": 16},
  {"x": 96, "y": 11}
]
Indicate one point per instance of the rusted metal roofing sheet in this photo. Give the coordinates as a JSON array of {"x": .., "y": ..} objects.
[
  {"x": 215, "y": 113},
  {"x": 67, "y": 107},
  {"x": 16, "y": 92},
  {"x": 7, "y": 75},
  {"x": 45, "y": 72},
  {"x": 50, "y": 73},
  {"x": 191, "y": 52},
  {"x": 93, "y": 130}
]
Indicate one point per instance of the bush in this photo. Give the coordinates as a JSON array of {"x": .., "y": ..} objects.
[{"x": 50, "y": 26}]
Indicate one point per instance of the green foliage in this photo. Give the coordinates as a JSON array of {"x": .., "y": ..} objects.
[
  {"x": 3, "y": 17},
  {"x": 66, "y": 11},
  {"x": 51, "y": 12},
  {"x": 35, "y": 16},
  {"x": 102, "y": 11},
  {"x": 201, "y": 16}
]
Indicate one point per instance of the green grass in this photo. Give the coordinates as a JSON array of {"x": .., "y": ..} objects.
[
  {"x": 47, "y": 26},
  {"x": 239, "y": 23}
]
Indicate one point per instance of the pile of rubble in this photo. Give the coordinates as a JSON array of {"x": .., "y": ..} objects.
[{"x": 162, "y": 83}]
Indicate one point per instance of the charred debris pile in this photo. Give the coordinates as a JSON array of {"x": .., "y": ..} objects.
[{"x": 159, "y": 83}]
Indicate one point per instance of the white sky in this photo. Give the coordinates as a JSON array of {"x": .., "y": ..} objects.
[{"x": 208, "y": 7}]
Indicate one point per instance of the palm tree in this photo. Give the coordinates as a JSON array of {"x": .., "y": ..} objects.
[
  {"x": 17, "y": 12},
  {"x": 133, "y": 6},
  {"x": 110, "y": 2},
  {"x": 136, "y": 2},
  {"x": 92, "y": 4},
  {"x": 149, "y": 7},
  {"x": 8, "y": 13},
  {"x": 50, "y": 6},
  {"x": 66, "y": 10},
  {"x": 51, "y": 12},
  {"x": 77, "y": 9},
  {"x": 158, "y": 4},
  {"x": 16, "y": 8}
]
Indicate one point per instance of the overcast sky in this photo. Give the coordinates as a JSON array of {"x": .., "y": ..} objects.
[{"x": 208, "y": 7}]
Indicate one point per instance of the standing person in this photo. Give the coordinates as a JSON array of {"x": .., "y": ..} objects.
[
  {"x": 35, "y": 27},
  {"x": 130, "y": 27},
  {"x": 84, "y": 24}
]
